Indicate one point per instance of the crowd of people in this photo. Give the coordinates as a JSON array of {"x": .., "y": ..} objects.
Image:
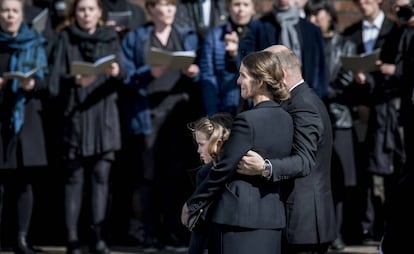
[{"x": 297, "y": 153}]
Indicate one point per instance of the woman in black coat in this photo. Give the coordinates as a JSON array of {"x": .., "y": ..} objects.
[
  {"x": 248, "y": 214},
  {"x": 22, "y": 140},
  {"x": 90, "y": 124}
]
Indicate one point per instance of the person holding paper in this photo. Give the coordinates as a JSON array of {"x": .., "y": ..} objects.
[
  {"x": 89, "y": 116},
  {"x": 375, "y": 96},
  {"x": 22, "y": 134},
  {"x": 159, "y": 104},
  {"x": 398, "y": 220},
  {"x": 343, "y": 170}
]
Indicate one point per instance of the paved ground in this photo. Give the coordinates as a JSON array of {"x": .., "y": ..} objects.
[{"x": 366, "y": 249}]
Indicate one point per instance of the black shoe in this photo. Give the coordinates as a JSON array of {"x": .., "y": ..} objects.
[
  {"x": 367, "y": 237},
  {"x": 173, "y": 243},
  {"x": 101, "y": 248},
  {"x": 338, "y": 244},
  {"x": 74, "y": 247},
  {"x": 150, "y": 245},
  {"x": 22, "y": 247}
]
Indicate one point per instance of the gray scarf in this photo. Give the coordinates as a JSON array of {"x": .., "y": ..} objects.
[{"x": 288, "y": 34}]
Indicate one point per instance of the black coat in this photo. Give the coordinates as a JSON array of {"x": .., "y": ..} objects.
[
  {"x": 248, "y": 201},
  {"x": 309, "y": 203},
  {"x": 91, "y": 124},
  {"x": 27, "y": 148},
  {"x": 188, "y": 15}
]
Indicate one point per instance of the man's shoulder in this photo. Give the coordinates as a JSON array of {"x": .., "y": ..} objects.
[
  {"x": 264, "y": 19},
  {"x": 353, "y": 28},
  {"x": 307, "y": 25},
  {"x": 304, "y": 95}
]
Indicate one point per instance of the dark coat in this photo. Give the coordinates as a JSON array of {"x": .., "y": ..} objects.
[
  {"x": 379, "y": 93},
  {"x": 28, "y": 147},
  {"x": 376, "y": 85},
  {"x": 91, "y": 124},
  {"x": 218, "y": 81},
  {"x": 343, "y": 162},
  {"x": 188, "y": 15},
  {"x": 138, "y": 16},
  {"x": 248, "y": 201},
  {"x": 309, "y": 204},
  {"x": 138, "y": 75}
]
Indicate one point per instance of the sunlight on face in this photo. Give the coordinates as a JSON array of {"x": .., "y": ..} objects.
[
  {"x": 163, "y": 13},
  {"x": 202, "y": 146},
  {"x": 11, "y": 16},
  {"x": 369, "y": 8},
  {"x": 241, "y": 11},
  {"x": 88, "y": 13},
  {"x": 321, "y": 19},
  {"x": 246, "y": 83}
]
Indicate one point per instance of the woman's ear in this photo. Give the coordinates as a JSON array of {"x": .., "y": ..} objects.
[
  {"x": 219, "y": 144},
  {"x": 285, "y": 75},
  {"x": 261, "y": 83}
]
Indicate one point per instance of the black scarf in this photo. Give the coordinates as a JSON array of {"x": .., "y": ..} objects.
[
  {"x": 115, "y": 5},
  {"x": 96, "y": 45}
]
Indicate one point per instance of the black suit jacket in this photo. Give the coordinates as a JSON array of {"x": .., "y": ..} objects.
[
  {"x": 248, "y": 201},
  {"x": 309, "y": 204},
  {"x": 372, "y": 92},
  {"x": 383, "y": 139}
]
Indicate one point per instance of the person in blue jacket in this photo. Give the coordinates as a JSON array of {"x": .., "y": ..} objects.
[
  {"x": 219, "y": 50},
  {"x": 160, "y": 101},
  {"x": 23, "y": 152}
]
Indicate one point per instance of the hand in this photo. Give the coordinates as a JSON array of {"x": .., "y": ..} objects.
[
  {"x": 27, "y": 84},
  {"x": 113, "y": 70},
  {"x": 85, "y": 80},
  {"x": 363, "y": 113},
  {"x": 185, "y": 215},
  {"x": 2, "y": 82},
  {"x": 250, "y": 164},
  {"x": 110, "y": 23},
  {"x": 360, "y": 78},
  {"x": 387, "y": 69},
  {"x": 192, "y": 71},
  {"x": 232, "y": 43}
]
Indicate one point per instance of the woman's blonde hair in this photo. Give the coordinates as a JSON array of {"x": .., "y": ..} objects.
[
  {"x": 265, "y": 66},
  {"x": 216, "y": 128}
]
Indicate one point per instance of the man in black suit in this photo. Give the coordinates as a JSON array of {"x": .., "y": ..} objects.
[
  {"x": 376, "y": 97},
  {"x": 309, "y": 203}
]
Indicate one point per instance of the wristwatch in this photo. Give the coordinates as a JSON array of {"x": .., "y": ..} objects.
[{"x": 267, "y": 169}]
